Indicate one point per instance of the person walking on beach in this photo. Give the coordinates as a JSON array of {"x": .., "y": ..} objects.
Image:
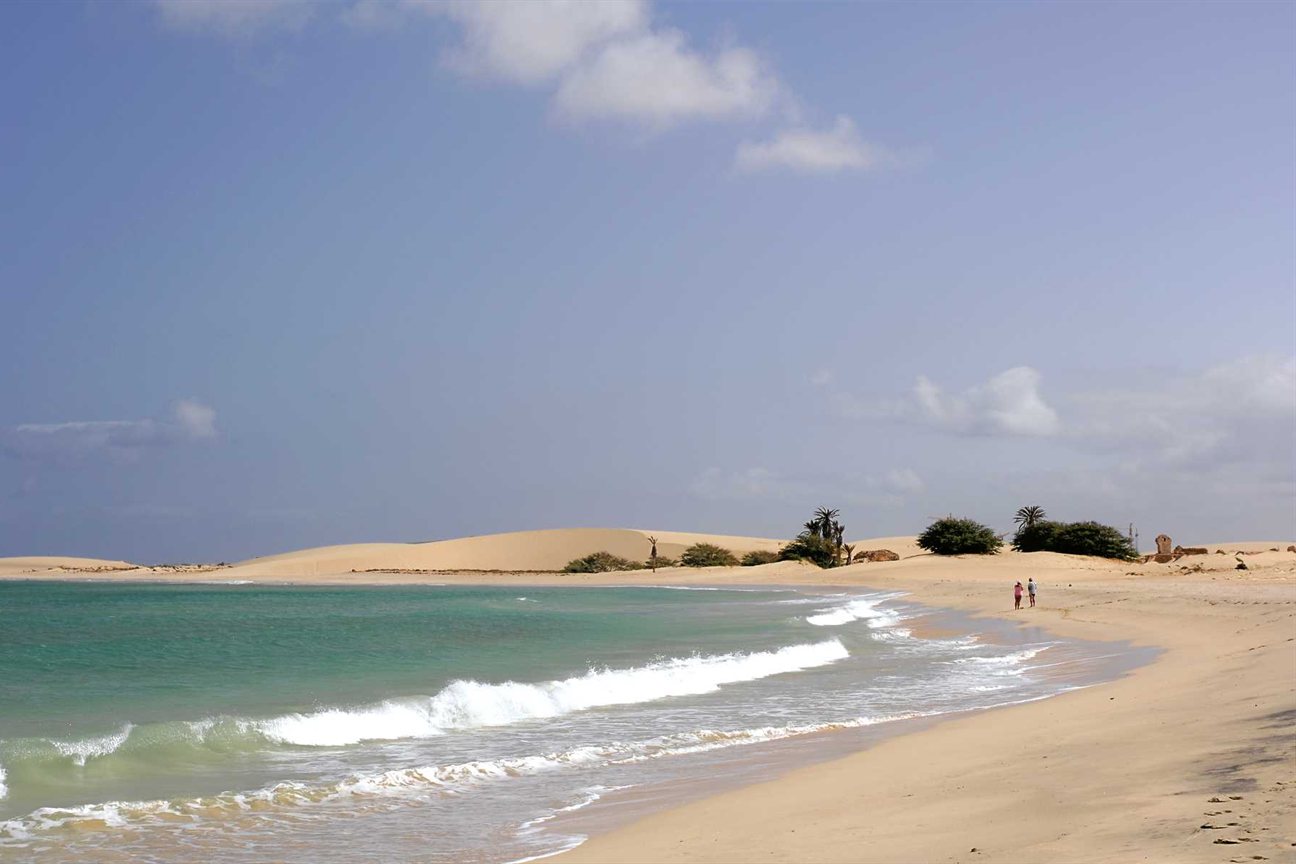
[
  {"x": 1017, "y": 592},
  {"x": 1030, "y": 589}
]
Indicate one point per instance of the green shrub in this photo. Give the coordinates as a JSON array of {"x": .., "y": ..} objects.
[
  {"x": 1075, "y": 538},
  {"x": 662, "y": 561},
  {"x": 707, "y": 555},
  {"x": 600, "y": 562},
  {"x": 1093, "y": 538},
  {"x": 812, "y": 548},
  {"x": 952, "y": 536},
  {"x": 1040, "y": 537},
  {"x": 759, "y": 556}
]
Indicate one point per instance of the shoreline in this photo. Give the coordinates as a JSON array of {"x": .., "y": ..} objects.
[
  {"x": 1124, "y": 770},
  {"x": 772, "y": 761},
  {"x": 1144, "y": 767}
]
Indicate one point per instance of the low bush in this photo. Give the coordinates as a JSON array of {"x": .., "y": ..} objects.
[
  {"x": 812, "y": 548},
  {"x": 1040, "y": 537},
  {"x": 707, "y": 555},
  {"x": 600, "y": 562},
  {"x": 662, "y": 561},
  {"x": 759, "y": 556},
  {"x": 1093, "y": 538},
  {"x": 951, "y": 536},
  {"x": 1076, "y": 538}
]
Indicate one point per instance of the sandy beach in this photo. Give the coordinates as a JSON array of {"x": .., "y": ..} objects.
[{"x": 1190, "y": 758}]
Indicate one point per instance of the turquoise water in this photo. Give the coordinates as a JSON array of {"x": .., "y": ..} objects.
[{"x": 240, "y": 722}]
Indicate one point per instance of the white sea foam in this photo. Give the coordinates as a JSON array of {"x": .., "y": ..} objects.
[
  {"x": 413, "y": 781},
  {"x": 90, "y": 748},
  {"x": 867, "y": 609},
  {"x": 1013, "y": 661},
  {"x": 4, "y": 790},
  {"x": 472, "y": 704}
]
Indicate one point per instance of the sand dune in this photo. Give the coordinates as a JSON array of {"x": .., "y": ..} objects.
[
  {"x": 518, "y": 551},
  {"x": 34, "y": 565},
  {"x": 550, "y": 550}
]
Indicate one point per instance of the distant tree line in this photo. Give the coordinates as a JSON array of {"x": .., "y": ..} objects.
[{"x": 821, "y": 541}]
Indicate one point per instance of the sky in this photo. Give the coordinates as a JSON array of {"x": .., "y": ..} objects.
[{"x": 280, "y": 274}]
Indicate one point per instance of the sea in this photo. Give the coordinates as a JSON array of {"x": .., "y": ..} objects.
[{"x": 241, "y": 722}]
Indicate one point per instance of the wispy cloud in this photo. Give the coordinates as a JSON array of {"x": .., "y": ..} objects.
[
  {"x": 656, "y": 80},
  {"x": 814, "y": 151},
  {"x": 607, "y": 61},
  {"x": 235, "y": 19},
  {"x": 125, "y": 440},
  {"x": 536, "y": 41}
]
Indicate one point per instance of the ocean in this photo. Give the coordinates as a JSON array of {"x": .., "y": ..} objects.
[{"x": 248, "y": 722}]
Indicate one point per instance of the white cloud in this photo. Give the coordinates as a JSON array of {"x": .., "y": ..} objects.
[
  {"x": 235, "y": 18},
  {"x": 196, "y": 419},
  {"x": 601, "y": 60},
  {"x": 122, "y": 439},
  {"x": 1240, "y": 411},
  {"x": 657, "y": 80},
  {"x": 604, "y": 58},
  {"x": 1009, "y": 403},
  {"x": 535, "y": 41},
  {"x": 838, "y": 148}
]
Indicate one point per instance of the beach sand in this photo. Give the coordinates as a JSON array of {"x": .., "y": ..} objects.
[{"x": 1190, "y": 758}]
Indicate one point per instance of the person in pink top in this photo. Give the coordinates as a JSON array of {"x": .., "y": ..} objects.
[{"x": 1017, "y": 592}]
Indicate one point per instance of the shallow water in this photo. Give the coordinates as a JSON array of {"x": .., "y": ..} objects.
[{"x": 233, "y": 723}]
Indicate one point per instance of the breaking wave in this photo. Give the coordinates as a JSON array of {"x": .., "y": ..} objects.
[
  {"x": 866, "y": 609},
  {"x": 452, "y": 779},
  {"x": 470, "y": 704},
  {"x": 460, "y": 705}
]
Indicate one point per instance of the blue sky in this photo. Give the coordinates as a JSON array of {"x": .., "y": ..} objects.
[{"x": 280, "y": 274}]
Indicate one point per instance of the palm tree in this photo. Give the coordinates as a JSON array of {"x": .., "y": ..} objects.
[
  {"x": 850, "y": 551},
  {"x": 812, "y": 527},
  {"x": 1027, "y": 516},
  {"x": 825, "y": 518}
]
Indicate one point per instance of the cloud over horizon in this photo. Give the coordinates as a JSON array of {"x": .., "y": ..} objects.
[
  {"x": 1181, "y": 416},
  {"x": 122, "y": 440}
]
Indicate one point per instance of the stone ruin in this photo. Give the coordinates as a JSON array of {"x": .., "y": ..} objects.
[
  {"x": 876, "y": 555},
  {"x": 1164, "y": 554}
]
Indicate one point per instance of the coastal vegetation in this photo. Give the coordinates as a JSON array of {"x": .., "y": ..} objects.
[
  {"x": 602, "y": 562},
  {"x": 954, "y": 536},
  {"x": 1074, "y": 538},
  {"x": 707, "y": 555},
  {"x": 759, "y": 556},
  {"x": 1027, "y": 517},
  {"x": 811, "y": 548},
  {"x": 820, "y": 542}
]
